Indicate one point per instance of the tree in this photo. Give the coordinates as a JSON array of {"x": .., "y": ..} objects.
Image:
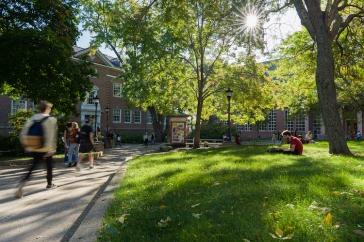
[
  {"x": 252, "y": 96},
  {"x": 206, "y": 34},
  {"x": 36, "y": 45},
  {"x": 296, "y": 68},
  {"x": 153, "y": 78},
  {"x": 325, "y": 21}
]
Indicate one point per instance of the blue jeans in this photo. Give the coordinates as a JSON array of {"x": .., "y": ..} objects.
[{"x": 73, "y": 153}]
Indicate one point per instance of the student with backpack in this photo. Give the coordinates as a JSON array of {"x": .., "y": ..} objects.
[{"x": 39, "y": 138}]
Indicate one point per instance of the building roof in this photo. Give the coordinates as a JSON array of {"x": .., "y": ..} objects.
[{"x": 108, "y": 61}]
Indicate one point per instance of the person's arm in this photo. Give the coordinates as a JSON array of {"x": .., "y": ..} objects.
[
  {"x": 65, "y": 139},
  {"x": 292, "y": 148},
  {"x": 91, "y": 137}
]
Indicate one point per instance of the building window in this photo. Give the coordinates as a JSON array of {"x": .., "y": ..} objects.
[
  {"x": 127, "y": 116},
  {"x": 137, "y": 117},
  {"x": 270, "y": 124},
  {"x": 244, "y": 128},
  {"x": 116, "y": 87},
  {"x": 116, "y": 115},
  {"x": 317, "y": 123},
  {"x": 288, "y": 122},
  {"x": 16, "y": 105},
  {"x": 295, "y": 124},
  {"x": 149, "y": 118},
  {"x": 91, "y": 95}
]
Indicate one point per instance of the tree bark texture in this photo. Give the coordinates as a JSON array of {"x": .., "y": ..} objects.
[
  {"x": 157, "y": 124},
  {"x": 196, "y": 141},
  {"x": 326, "y": 89}
]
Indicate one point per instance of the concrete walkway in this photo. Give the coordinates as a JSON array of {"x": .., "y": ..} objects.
[{"x": 54, "y": 215}]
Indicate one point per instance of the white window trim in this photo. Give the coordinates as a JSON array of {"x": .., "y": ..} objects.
[
  {"x": 130, "y": 115},
  {"x": 151, "y": 118},
  {"x": 140, "y": 117},
  {"x": 113, "y": 89},
  {"x": 116, "y": 122},
  {"x": 17, "y": 110}
]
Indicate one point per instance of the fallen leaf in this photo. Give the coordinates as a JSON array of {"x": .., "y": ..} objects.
[
  {"x": 122, "y": 218},
  {"x": 328, "y": 219},
  {"x": 290, "y": 236},
  {"x": 216, "y": 184},
  {"x": 246, "y": 240},
  {"x": 290, "y": 205},
  {"x": 279, "y": 232},
  {"x": 195, "y": 205},
  {"x": 359, "y": 232},
  {"x": 359, "y": 226},
  {"x": 162, "y": 206},
  {"x": 196, "y": 215},
  {"x": 315, "y": 207},
  {"x": 164, "y": 222}
]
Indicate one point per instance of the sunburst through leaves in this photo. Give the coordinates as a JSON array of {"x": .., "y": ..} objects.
[{"x": 248, "y": 22}]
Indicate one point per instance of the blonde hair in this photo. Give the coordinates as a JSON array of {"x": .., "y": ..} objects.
[{"x": 75, "y": 125}]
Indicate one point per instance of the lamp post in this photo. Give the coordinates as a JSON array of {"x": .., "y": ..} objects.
[
  {"x": 107, "y": 140},
  {"x": 96, "y": 101},
  {"x": 107, "y": 110},
  {"x": 229, "y": 93}
]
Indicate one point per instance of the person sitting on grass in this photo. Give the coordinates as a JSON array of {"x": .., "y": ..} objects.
[{"x": 296, "y": 146}]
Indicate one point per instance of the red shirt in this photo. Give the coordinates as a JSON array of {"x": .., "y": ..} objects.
[{"x": 298, "y": 147}]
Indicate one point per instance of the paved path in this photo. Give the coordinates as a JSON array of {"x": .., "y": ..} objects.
[{"x": 51, "y": 215}]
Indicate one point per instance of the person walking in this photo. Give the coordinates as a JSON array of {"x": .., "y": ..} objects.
[
  {"x": 86, "y": 138},
  {"x": 39, "y": 139},
  {"x": 73, "y": 148}
]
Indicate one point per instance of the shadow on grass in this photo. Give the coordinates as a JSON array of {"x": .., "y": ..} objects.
[{"x": 233, "y": 204}]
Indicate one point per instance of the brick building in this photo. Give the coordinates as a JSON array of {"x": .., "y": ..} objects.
[
  {"x": 279, "y": 120},
  {"x": 121, "y": 117}
]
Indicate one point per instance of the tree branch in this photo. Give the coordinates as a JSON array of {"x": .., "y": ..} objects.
[{"x": 305, "y": 20}]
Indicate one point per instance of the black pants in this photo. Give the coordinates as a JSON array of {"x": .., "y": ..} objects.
[
  {"x": 283, "y": 151},
  {"x": 289, "y": 152},
  {"x": 39, "y": 158}
]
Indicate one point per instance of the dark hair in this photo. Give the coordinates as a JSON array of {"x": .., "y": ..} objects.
[
  {"x": 286, "y": 132},
  {"x": 87, "y": 121},
  {"x": 69, "y": 125},
  {"x": 43, "y": 105}
]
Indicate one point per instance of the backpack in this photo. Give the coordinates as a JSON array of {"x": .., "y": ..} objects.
[{"x": 34, "y": 136}]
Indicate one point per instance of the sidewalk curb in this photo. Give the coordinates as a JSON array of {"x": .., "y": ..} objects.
[{"x": 87, "y": 225}]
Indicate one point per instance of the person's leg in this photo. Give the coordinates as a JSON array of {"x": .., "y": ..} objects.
[
  {"x": 69, "y": 154},
  {"x": 91, "y": 159},
  {"x": 35, "y": 162},
  {"x": 49, "y": 163},
  {"x": 72, "y": 154},
  {"x": 78, "y": 164},
  {"x": 77, "y": 154}
]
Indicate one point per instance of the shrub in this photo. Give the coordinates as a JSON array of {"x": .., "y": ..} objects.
[{"x": 213, "y": 131}]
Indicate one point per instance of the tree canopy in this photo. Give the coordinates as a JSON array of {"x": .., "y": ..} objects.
[{"x": 36, "y": 44}]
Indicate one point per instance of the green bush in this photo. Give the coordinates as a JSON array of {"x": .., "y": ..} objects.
[
  {"x": 132, "y": 138},
  {"x": 213, "y": 131}
]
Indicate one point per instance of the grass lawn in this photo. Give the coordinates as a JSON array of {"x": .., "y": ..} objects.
[{"x": 240, "y": 194}]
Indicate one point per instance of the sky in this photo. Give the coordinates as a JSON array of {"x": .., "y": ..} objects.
[{"x": 277, "y": 29}]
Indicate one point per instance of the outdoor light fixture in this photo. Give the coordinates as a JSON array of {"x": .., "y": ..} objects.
[
  {"x": 229, "y": 94},
  {"x": 96, "y": 101}
]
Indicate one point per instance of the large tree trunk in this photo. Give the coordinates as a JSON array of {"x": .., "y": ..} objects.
[
  {"x": 325, "y": 82},
  {"x": 157, "y": 124},
  {"x": 196, "y": 142}
]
